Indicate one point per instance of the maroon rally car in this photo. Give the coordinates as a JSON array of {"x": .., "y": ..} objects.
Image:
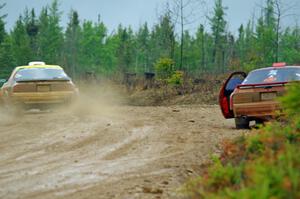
[{"x": 252, "y": 97}]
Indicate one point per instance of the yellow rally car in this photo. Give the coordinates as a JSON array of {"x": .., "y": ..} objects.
[{"x": 38, "y": 84}]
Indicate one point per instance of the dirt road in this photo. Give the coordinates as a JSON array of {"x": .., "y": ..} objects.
[{"x": 115, "y": 152}]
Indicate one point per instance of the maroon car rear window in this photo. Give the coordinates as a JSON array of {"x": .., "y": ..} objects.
[{"x": 273, "y": 75}]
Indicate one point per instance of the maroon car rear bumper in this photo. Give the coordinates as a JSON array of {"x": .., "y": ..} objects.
[{"x": 257, "y": 109}]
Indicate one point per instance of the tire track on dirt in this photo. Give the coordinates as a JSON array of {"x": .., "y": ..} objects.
[{"x": 122, "y": 153}]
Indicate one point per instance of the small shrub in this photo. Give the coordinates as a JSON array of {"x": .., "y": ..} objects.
[
  {"x": 164, "y": 68},
  {"x": 291, "y": 102},
  {"x": 255, "y": 146},
  {"x": 176, "y": 79}
]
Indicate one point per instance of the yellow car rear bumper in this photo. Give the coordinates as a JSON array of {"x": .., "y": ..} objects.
[{"x": 43, "y": 97}]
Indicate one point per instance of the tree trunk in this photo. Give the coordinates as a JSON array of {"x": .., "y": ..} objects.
[{"x": 182, "y": 33}]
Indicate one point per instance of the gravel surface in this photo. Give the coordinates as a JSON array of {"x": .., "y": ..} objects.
[{"x": 111, "y": 152}]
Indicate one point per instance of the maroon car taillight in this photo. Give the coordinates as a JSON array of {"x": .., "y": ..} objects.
[{"x": 226, "y": 111}]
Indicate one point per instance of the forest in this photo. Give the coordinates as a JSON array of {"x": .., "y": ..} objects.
[{"x": 86, "y": 46}]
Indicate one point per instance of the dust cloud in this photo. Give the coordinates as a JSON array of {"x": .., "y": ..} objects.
[{"x": 98, "y": 99}]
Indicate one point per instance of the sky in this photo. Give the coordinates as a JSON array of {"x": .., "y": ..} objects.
[{"x": 136, "y": 12}]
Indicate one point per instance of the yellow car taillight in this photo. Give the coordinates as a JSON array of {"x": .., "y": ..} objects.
[{"x": 23, "y": 87}]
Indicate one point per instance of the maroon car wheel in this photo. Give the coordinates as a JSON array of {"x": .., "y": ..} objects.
[{"x": 242, "y": 123}]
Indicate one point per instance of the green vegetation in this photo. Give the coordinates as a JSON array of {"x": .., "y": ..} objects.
[
  {"x": 265, "y": 164},
  {"x": 165, "y": 68},
  {"x": 176, "y": 79},
  {"x": 84, "y": 46}
]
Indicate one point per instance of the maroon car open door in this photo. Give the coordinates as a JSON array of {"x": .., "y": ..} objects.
[{"x": 227, "y": 89}]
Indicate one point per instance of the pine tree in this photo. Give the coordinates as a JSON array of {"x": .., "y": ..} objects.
[
  {"x": 290, "y": 44},
  {"x": 163, "y": 39},
  {"x": 2, "y": 31},
  {"x": 142, "y": 50},
  {"x": 218, "y": 27},
  {"x": 200, "y": 43},
  {"x": 266, "y": 36},
  {"x": 125, "y": 51},
  {"x": 32, "y": 29},
  {"x": 239, "y": 54},
  {"x": 21, "y": 43},
  {"x": 7, "y": 61},
  {"x": 187, "y": 57},
  {"x": 72, "y": 45},
  {"x": 50, "y": 36},
  {"x": 100, "y": 36},
  {"x": 93, "y": 56}
]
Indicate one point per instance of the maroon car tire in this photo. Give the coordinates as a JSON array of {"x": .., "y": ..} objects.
[{"x": 242, "y": 123}]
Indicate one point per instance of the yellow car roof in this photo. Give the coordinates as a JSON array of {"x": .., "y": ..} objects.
[{"x": 39, "y": 66}]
